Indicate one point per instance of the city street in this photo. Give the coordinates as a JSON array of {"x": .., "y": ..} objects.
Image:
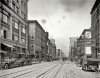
[{"x": 57, "y": 69}]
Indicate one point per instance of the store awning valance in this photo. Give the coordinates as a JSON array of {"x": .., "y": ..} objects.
[
  {"x": 8, "y": 45},
  {"x": 22, "y": 53},
  {"x": 2, "y": 51}
]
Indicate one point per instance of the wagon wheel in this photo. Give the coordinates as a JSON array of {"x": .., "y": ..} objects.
[
  {"x": 85, "y": 67},
  {"x": 6, "y": 66}
]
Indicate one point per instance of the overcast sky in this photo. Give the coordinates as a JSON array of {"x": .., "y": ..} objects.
[{"x": 62, "y": 18}]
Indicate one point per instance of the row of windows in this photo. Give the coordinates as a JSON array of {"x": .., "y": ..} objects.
[
  {"x": 21, "y": 2},
  {"x": 5, "y": 17},
  {"x": 16, "y": 8},
  {"x": 14, "y": 37},
  {"x": 95, "y": 16}
]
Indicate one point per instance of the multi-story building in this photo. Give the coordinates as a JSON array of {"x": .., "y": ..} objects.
[
  {"x": 13, "y": 26},
  {"x": 53, "y": 48},
  {"x": 71, "y": 47},
  {"x": 60, "y": 54},
  {"x": 95, "y": 28},
  {"x": 37, "y": 40},
  {"x": 84, "y": 42},
  {"x": 49, "y": 44}
]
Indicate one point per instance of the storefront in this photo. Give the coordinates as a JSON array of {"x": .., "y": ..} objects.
[{"x": 6, "y": 50}]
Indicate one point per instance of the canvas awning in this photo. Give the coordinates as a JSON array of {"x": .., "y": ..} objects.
[
  {"x": 22, "y": 53},
  {"x": 2, "y": 51},
  {"x": 8, "y": 45}
]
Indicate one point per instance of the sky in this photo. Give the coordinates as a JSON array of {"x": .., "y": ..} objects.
[{"x": 62, "y": 18}]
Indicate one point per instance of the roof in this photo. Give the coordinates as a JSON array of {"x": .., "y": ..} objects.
[
  {"x": 84, "y": 32},
  {"x": 35, "y": 21},
  {"x": 97, "y": 2}
]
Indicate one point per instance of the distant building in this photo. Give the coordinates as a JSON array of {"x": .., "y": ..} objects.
[
  {"x": 95, "y": 28},
  {"x": 53, "y": 48},
  {"x": 37, "y": 40},
  {"x": 49, "y": 44},
  {"x": 59, "y": 54},
  {"x": 13, "y": 26},
  {"x": 72, "y": 48}
]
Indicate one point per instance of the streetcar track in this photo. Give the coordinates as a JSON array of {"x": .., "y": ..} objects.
[
  {"x": 30, "y": 71},
  {"x": 58, "y": 71},
  {"x": 45, "y": 73},
  {"x": 21, "y": 71}
]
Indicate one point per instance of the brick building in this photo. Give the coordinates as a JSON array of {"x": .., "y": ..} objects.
[
  {"x": 95, "y": 28},
  {"x": 72, "y": 51},
  {"x": 82, "y": 42},
  {"x": 13, "y": 26},
  {"x": 37, "y": 40}
]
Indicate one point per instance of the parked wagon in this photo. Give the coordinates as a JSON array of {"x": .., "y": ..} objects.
[{"x": 91, "y": 64}]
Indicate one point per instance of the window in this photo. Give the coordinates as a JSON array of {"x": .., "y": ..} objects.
[
  {"x": 21, "y": 2},
  {"x": 16, "y": 25},
  {"x": 15, "y": 38},
  {"x": 6, "y": 1},
  {"x": 13, "y": 6},
  {"x": 23, "y": 29},
  {"x": 5, "y": 18},
  {"x": 17, "y": 10},
  {"x": 5, "y": 34},
  {"x": 22, "y": 14},
  {"x": 23, "y": 50},
  {"x": 0, "y": 15},
  {"x": 4, "y": 15},
  {"x": 17, "y": 1},
  {"x": 23, "y": 40},
  {"x": 32, "y": 46}
]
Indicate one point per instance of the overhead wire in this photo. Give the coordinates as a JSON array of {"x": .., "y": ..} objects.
[{"x": 44, "y": 7}]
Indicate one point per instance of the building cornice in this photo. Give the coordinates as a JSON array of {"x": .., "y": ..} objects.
[{"x": 96, "y": 4}]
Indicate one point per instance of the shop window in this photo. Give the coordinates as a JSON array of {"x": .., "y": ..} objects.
[{"x": 5, "y": 34}]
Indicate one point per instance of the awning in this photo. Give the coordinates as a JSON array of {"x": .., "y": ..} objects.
[
  {"x": 22, "y": 53},
  {"x": 2, "y": 51},
  {"x": 8, "y": 45}
]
